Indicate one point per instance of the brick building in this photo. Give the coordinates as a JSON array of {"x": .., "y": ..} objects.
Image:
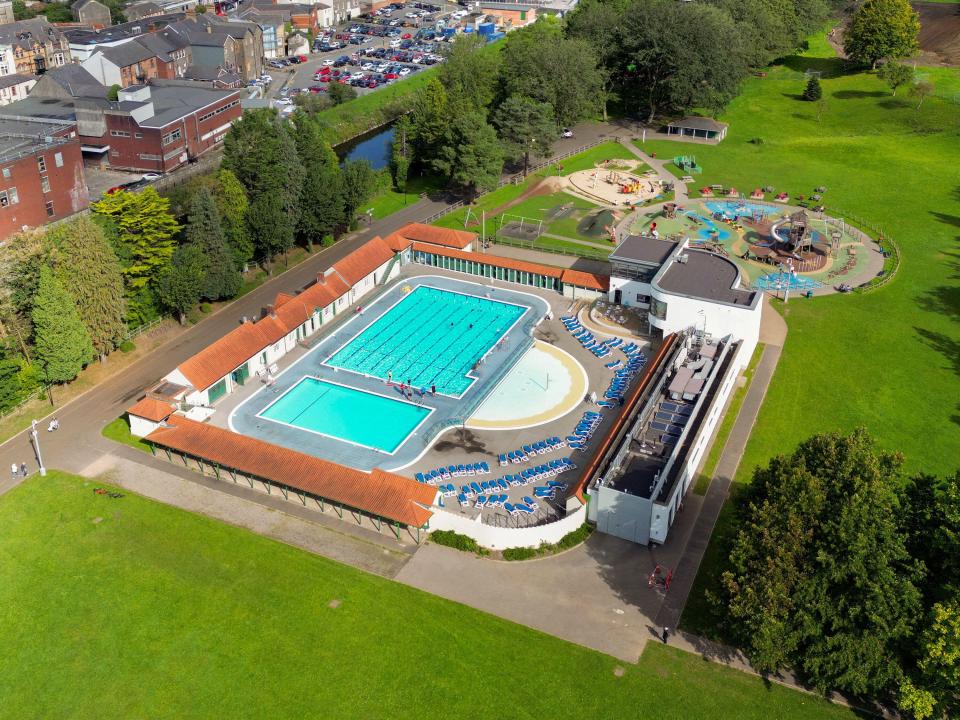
[{"x": 41, "y": 173}]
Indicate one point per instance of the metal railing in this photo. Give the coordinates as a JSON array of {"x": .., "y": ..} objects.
[
  {"x": 138, "y": 331},
  {"x": 855, "y": 226}
]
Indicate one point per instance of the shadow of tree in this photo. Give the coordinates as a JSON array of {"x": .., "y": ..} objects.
[
  {"x": 827, "y": 67},
  {"x": 858, "y": 94},
  {"x": 950, "y": 349},
  {"x": 461, "y": 440}
]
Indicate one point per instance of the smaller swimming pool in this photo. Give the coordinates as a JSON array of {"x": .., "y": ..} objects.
[{"x": 355, "y": 416}]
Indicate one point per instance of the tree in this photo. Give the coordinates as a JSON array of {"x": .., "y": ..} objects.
[
  {"x": 936, "y": 688},
  {"x": 145, "y": 232},
  {"x": 931, "y": 522},
  {"x": 401, "y": 152},
  {"x": 58, "y": 13},
  {"x": 469, "y": 73},
  {"x": 882, "y": 29},
  {"x": 180, "y": 286},
  {"x": 680, "y": 56},
  {"x": 22, "y": 12},
  {"x": 896, "y": 75},
  {"x": 322, "y": 201},
  {"x": 87, "y": 265},
  {"x": 233, "y": 206},
  {"x": 820, "y": 578},
  {"x": 540, "y": 63},
  {"x": 261, "y": 153},
  {"x": 359, "y": 182},
  {"x": 63, "y": 344},
  {"x": 526, "y": 127},
  {"x": 340, "y": 94},
  {"x": 312, "y": 103},
  {"x": 921, "y": 91},
  {"x": 221, "y": 279},
  {"x": 598, "y": 23},
  {"x": 429, "y": 118},
  {"x": 471, "y": 155},
  {"x": 812, "y": 92},
  {"x": 113, "y": 92}
]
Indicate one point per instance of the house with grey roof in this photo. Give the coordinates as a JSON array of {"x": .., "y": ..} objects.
[
  {"x": 91, "y": 12},
  {"x": 36, "y": 45}
]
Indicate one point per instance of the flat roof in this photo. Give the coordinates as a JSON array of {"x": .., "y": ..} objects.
[
  {"x": 643, "y": 249},
  {"x": 698, "y": 123},
  {"x": 705, "y": 275}
]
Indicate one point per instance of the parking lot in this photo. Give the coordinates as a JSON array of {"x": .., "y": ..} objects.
[{"x": 369, "y": 54}]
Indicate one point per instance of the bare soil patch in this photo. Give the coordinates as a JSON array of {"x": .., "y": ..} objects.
[{"x": 939, "y": 33}]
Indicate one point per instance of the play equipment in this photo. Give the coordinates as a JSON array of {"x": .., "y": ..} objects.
[
  {"x": 688, "y": 163},
  {"x": 670, "y": 210}
]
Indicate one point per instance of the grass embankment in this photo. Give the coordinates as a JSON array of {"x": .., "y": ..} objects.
[
  {"x": 119, "y": 431},
  {"x": 729, "y": 418},
  {"x": 887, "y": 359},
  {"x": 391, "y": 200},
  {"x": 129, "y": 608}
]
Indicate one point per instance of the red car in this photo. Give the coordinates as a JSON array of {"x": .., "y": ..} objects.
[
  {"x": 323, "y": 70},
  {"x": 302, "y": 58},
  {"x": 406, "y": 36},
  {"x": 317, "y": 89},
  {"x": 391, "y": 76}
]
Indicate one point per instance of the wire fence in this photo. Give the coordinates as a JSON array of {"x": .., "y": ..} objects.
[{"x": 867, "y": 232}]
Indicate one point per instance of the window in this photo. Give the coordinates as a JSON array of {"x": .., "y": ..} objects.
[
  {"x": 172, "y": 137},
  {"x": 4, "y": 199},
  {"x": 50, "y": 211},
  {"x": 658, "y": 309},
  {"x": 45, "y": 183},
  {"x": 41, "y": 164},
  {"x": 58, "y": 159},
  {"x": 138, "y": 136},
  {"x": 119, "y": 133},
  {"x": 6, "y": 172},
  {"x": 14, "y": 197}
]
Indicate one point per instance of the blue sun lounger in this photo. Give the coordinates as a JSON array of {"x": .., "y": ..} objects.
[
  {"x": 530, "y": 502},
  {"x": 462, "y": 499},
  {"x": 476, "y": 488},
  {"x": 484, "y": 468},
  {"x": 481, "y": 501},
  {"x": 502, "y": 459},
  {"x": 420, "y": 478}
]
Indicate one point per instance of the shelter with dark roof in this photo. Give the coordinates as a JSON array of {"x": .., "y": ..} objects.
[{"x": 700, "y": 128}]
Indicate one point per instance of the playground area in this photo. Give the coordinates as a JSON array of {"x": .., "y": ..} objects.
[
  {"x": 774, "y": 245},
  {"x": 619, "y": 182}
]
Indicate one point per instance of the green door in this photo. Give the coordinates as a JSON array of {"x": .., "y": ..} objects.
[
  {"x": 217, "y": 391},
  {"x": 240, "y": 375}
]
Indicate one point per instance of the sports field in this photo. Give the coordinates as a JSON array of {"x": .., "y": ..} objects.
[
  {"x": 890, "y": 359},
  {"x": 120, "y": 608}
]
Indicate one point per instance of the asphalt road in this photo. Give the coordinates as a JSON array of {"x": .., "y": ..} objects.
[{"x": 78, "y": 443}]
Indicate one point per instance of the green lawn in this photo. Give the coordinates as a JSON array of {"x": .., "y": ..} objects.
[
  {"x": 119, "y": 431},
  {"x": 887, "y": 360},
  {"x": 609, "y": 150},
  {"x": 128, "y": 608},
  {"x": 391, "y": 200}
]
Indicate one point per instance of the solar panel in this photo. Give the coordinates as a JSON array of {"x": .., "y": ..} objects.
[
  {"x": 659, "y": 425},
  {"x": 668, "y": 439},
  {"x": 684, "y": 409},
  {"x": 674, "y": 429},
  {"x": 670, "y": 407}
]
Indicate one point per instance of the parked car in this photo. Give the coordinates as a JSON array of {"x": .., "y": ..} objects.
[{"x": 566, "y": 133}]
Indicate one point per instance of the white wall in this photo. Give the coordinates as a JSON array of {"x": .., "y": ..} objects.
[
  {"x": 717, "y": 319},
  {"x": 501, "y": 538},
  {"x": 579, "y": 293},
  {"x": 102, "y": 69},
  {"x": 141, "y": 427}
]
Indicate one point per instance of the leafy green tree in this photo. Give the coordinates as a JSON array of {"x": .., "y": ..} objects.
[
  {"x": 813, "y": 92},
  {"x": 882, "y": 29},
  {"x": 359, "y": 184},
  {"x": 221, "y": 279},
  {"x": 312, "y": 103},
  {"x": 261, "y": 152},
  {"x": 471, "y": 155},
  {"x": 22, "y": 12},
  {"x": 113, "y": 92},
  {"x": 62, "y": 342},
  {"x": 339, "y": 94},
  {"x": 233, "y": 206},
  {"x": 145, "y": 232},
  {"x": 820, "y": 578},
  {"x": 921, "y": 91},
  {"x": 429, "y": 118},
  {"x": 469, "y": 73},
  {"x": 896, "y": 75},
  {"x": 936, "y": 689},
  {"x": 181, "y": 285},
  {"x": 931, "y": 523},
  {"x": 401, "y": 152},
  {"x": 323, "y": 209},
  {"x": 526, "y": 127},
  {"x": 597, "y": 22},
  {"x": 538, "y": 62},
  {"x": 58, "y": 13},
  {"x": 87, "y": 265}
]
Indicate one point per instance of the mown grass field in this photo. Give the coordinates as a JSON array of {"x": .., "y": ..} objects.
[
  {"x": 888, "y": 360},
  {"x": 120, "y": 608}
]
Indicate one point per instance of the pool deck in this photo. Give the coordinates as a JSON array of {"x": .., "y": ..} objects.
[{"x": 241, "y": 414}]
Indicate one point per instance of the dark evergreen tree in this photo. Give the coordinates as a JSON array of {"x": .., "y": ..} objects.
[
  {"x": 322, "y": 201},
  {"x": 813, "y": 91},
  {"x": 221, "y": 278},
  {"x": 180, "y": 286},
  {"x": 61, "y": 340}
]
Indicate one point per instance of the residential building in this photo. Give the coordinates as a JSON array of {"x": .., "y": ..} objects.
[
  {"x": 36, "y": 46},
  {"x": 6, "y": 12},
  {"x": 83, "y": 42},
  {"x": 153, "y": 127},
  {"x": 127, "y": 64},
  {"x": 67, "y": 82},
  {"x": 142, "y": 10},
  {"x": 92, "y": 13},
  {"x": 218, "y": 77},
  {"x": 216, "y": 42},
  {"x": 273, "y": 25},
  {"x": 41, "y": 173},
  {"x": 15, "y": 87}
]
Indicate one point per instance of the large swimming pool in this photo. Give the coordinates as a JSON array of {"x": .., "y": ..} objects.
[
  {"x": 430, "y": 338},
  {"x": 361, "y": 418}
]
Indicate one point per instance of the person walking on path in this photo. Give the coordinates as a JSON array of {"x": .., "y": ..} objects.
[
  {"x": 666, "y": 634},
  {"x": 23, "y": 469},
  {"x": 14, "y": 471}
]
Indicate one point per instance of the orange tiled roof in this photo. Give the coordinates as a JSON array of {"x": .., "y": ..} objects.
[
  {"x": 447, "y": 237},
  {"x": 152, "y": 409},
  {"x": 229, "y": 352},
  {"x": 591, "y": 281},
  {"x": 390, "y": 496},
  {"x": 364, "y": 260}
]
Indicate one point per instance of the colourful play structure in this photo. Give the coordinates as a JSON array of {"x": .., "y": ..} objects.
[{"x": 687, "y": 163}]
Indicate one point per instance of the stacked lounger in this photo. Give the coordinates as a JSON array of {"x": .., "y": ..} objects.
[
  {"x": 432, "y": 477},
  {"x": 585, "y": 337}
]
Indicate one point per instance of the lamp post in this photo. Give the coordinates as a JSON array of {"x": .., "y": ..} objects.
[{"x": 36, "y": 447}]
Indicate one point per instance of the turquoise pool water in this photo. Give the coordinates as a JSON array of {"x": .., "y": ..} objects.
[
  {"x": 341, "y": 412},
  {"x": 732, "y": 208},
  {"x": 431, "y": 337}
]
